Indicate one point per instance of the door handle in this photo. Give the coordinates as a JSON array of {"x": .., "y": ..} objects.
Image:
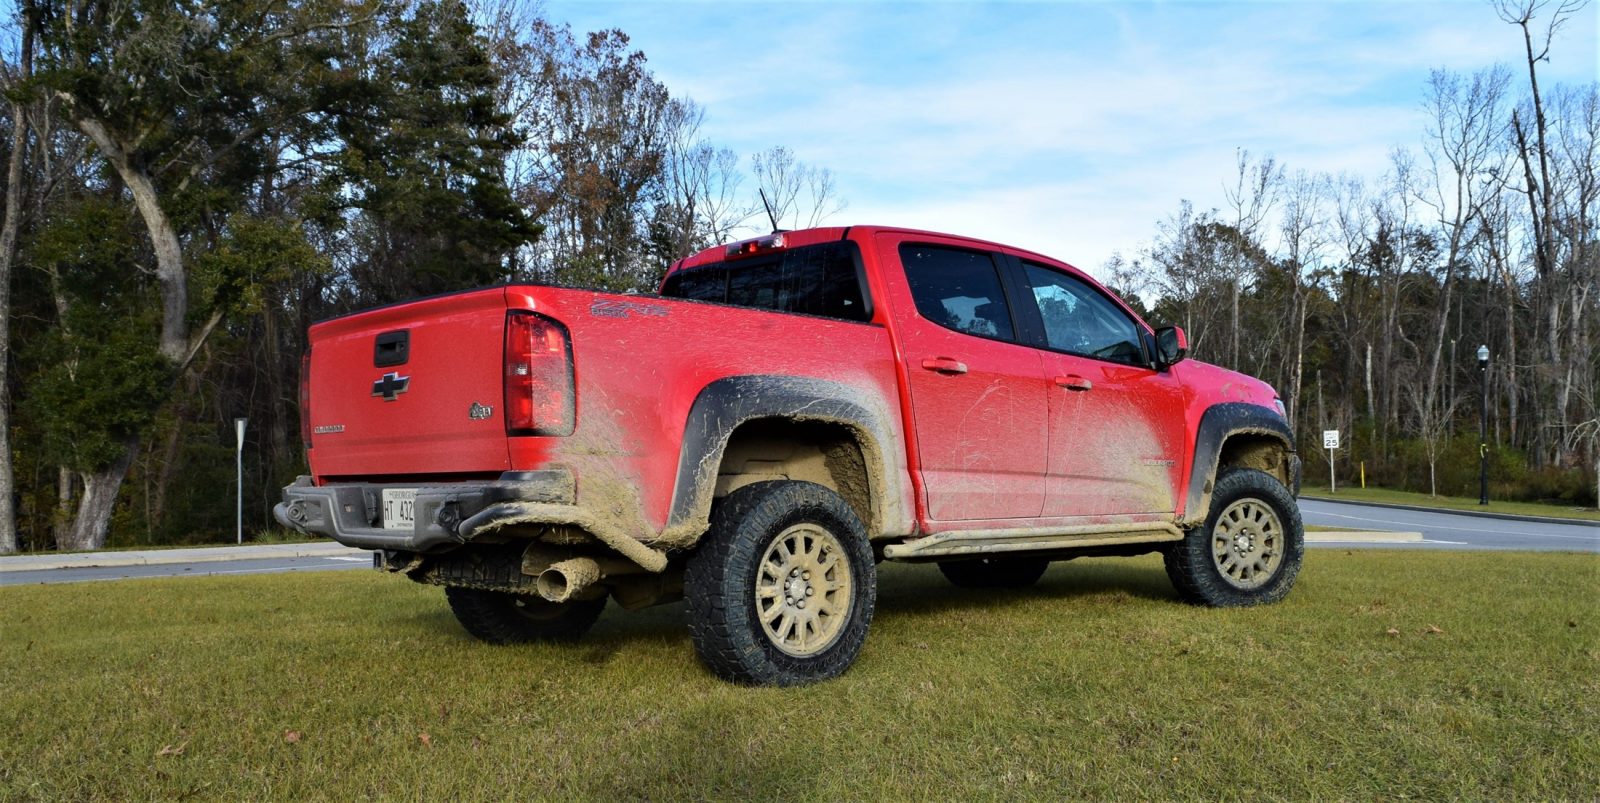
[
  {"x": 1074, "y": 382},
  {"x": 944, "y": 365}
]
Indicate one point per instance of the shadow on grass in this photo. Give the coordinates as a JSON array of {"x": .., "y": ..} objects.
[
  {"x": 920, "y": 590},
  {"x": 903, "y": 591}
]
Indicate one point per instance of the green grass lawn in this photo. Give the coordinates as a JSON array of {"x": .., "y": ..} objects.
[
  {"x": 1096, "y": 684},
  {"x": 1356, "y": 493}
]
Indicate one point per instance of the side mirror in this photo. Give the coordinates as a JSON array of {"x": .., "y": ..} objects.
[{"x": 1172, "y": 345}]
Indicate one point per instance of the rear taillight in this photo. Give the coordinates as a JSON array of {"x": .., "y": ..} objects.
[
  {"x": 305, "y": 398},
  {"x": 539, "y": 399}
]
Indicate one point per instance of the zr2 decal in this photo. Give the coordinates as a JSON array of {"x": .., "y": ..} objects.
[{"x": 603, "y": 308}]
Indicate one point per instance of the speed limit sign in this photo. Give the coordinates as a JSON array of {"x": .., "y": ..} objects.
[{"x": 1330, "y": 441}]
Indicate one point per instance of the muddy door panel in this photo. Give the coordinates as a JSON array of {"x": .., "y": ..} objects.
[
  {"x": 978, "y": 402},
  {"x": 1116, "y": 425},
  {"x": 1115, "y": 432}
]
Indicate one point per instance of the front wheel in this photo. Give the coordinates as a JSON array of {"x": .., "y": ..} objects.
[
  {"x": 1249, "y": 549},
  {"x": 781, "y": 590}
]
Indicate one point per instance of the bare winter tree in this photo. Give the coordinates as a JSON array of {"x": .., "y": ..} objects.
[
  {"x": 1396, "y": 252},
  {"x": 1303, "y": 235},
  {"x": 1250, "y": 197},
  {"x": 600, "y": 132},
  {"x": 723, "y": 207},
  {"x": 700, "y": 204},
  {"x": 798, "y": 192},
  {"x": 1464, "y": 126},
  {"x": 1576, "y": 159},
  {"x": 1540, "y": 21}
]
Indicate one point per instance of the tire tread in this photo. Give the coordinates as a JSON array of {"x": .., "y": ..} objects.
[
  {"x": 1189, "y": 563},
  {"x": 733, "y": 646}
]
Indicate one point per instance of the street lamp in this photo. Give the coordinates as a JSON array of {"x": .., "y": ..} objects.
[
  {"x": 1483, "y": 427},
  {"x": 238, "y": 468}
]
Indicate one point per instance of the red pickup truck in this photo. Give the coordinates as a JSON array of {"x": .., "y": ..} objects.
[{"x": 786, "y": 412}]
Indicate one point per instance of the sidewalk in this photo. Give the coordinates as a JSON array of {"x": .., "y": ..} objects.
[
  {"x": 82, "y": 560},
  {"x": 1483, "y": 514},
  {"x": 1361, "y": 537},
  {"x": 319, "y": 549}
]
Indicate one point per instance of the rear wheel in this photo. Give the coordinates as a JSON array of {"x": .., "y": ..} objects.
[
  {"x": 781, "y": 590},
  {"x": 1248, "y": 551},
  {"x": 994, "y": 572},
  {"x": 499, "y": 617}
]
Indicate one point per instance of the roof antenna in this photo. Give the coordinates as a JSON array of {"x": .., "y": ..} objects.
[{"x": 770, "y": 216}]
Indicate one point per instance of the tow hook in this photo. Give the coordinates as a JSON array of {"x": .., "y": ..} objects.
[{"x": 449, "y": 519}]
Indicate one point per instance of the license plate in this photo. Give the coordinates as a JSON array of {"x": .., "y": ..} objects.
[{"x": 399, "y": 509}]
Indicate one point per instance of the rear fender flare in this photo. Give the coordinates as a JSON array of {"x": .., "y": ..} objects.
[
  {"x": 1219, "y": 423},
  {"x": 722, "y": 406}
]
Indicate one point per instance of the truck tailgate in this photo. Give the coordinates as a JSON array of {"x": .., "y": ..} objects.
[{"x": 411, "y": 389}]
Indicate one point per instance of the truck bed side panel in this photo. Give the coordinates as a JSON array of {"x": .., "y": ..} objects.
[{"x": 642, "y": 361}]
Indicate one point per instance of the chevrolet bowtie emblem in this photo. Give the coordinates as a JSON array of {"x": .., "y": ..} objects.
[{"x": 391, "y": 386}]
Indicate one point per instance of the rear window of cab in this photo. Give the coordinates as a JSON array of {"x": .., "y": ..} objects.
[{"x": 822, "y": 280}]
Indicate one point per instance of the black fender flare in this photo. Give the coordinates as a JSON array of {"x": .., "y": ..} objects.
[
  {"x": 1219, "y": 423},
  {"x": 722, "y": 406}
]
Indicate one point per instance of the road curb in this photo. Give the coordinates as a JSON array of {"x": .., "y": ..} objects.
[
  {"x": 1362, "y": 537},
  {"x": 1482, "y": 514},
  {"x": 85, "y": 560}
]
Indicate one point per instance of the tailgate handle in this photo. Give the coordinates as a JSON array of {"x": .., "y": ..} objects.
[{"x": 392, "y": 348}]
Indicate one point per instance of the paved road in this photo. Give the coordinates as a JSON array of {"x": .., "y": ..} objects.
[
  {"x": 1452, "y": 530},
  {"x": 1444, "y": 531},
  {"x": 228, "y": 567}
]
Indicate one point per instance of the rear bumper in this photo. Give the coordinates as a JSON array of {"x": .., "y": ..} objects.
[{"x": 349, "y": 513}]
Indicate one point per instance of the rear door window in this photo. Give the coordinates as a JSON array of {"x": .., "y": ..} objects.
[
  {"x": 958, "y": 289},
  {"x": 822, "y": 280}
]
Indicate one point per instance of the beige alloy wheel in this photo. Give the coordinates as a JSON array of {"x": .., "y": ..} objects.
[
  {"x": 803, "y": 590},
  {"x": 1247, "y": 544}
]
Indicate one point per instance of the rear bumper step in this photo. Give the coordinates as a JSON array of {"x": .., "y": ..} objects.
[{"x": 349, "y": 513}]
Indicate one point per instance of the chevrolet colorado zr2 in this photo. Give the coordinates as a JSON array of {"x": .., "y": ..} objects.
[{"x": 786, "y": 412}]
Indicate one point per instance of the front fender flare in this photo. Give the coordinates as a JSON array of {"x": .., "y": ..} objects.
[{"x": 1219, "y": 423}]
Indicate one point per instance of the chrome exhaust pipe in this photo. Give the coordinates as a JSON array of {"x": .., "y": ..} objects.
[{"x": 567, "y": 579}]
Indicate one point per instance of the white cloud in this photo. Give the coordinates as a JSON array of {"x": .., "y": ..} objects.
[{"x": 1068, "y": 128}]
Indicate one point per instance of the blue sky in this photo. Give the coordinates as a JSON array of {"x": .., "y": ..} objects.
[{"x": 1068, "y": 128}]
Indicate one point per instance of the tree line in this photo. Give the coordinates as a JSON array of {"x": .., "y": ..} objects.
[
  {"x": 190, "y": 184},
  {"x": 1364, "y": 299}
]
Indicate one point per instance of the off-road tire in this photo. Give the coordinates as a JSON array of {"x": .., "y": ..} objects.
[
  {"x": 994, "y": 572},
  {"x": 724, "y": 573},
  {"x": 499, "y": 617},
  {"x": 1193, "y": 563}
]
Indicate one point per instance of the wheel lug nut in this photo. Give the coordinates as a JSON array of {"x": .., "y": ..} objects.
[
  {"x": 810, "y": 591},
  {"x": 801, "y": 604},
  {"x": 794, "y": 572},
  {"x": 806, "y": 575}
]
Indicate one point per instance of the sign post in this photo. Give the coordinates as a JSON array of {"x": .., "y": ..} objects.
[
  {"x": 1330, "y": 441},
  {"x": 238, "y": 465}
]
